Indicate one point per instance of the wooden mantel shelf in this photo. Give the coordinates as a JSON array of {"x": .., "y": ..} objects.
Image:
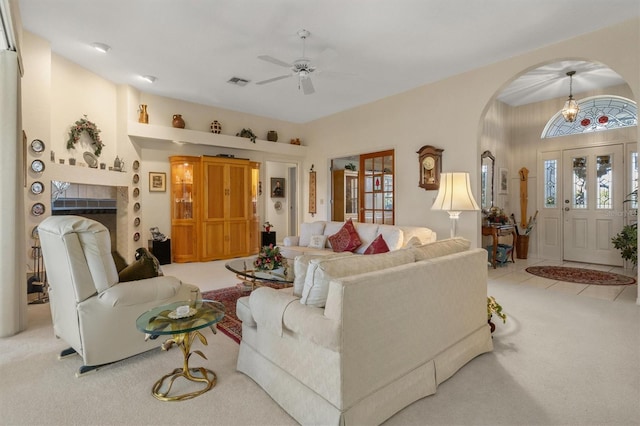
[{"x": 142, "y": 133}]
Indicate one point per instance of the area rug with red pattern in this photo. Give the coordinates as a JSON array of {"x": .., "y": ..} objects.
[
  {"x": 580, "y": 275},
  {"x": 230, "y": 324}
]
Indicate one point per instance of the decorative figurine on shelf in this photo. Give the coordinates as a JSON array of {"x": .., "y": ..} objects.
[
  {"x": 178, "y": 121},
  {"x": 272, "y": 136},
  {"x": 267, "y": 226},
  {"x": 156, "y": 235},
  {"x": 295, "y": 141},
  {"x": 247, "y": 133},
  {"x": 216, "y": 127},
  {"x": 144, "y": 116},
  {"x": 118, "y": 164}
]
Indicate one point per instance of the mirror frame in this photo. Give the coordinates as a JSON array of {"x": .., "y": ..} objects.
[{"x": 491, "y": 200}]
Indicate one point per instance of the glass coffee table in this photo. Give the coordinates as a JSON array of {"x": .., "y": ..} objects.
[
  {"x": 182, "y": 321},
  {"x": 251, "y": 277}
]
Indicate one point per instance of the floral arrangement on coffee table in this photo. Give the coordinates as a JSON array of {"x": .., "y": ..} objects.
[{"x": 269, "y": 258}]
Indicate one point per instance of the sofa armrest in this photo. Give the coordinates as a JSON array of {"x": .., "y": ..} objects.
[
  {"x": 268, "y": 306},
  {"x": 139, "y": 292},
  {"x": 292, "y": 240}
]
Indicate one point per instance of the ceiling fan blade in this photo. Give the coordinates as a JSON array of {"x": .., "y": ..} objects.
[
  {"x": 274, "y": 79},
  {"x": 307, "y": 86},
  {"x": 274, "y": 61}
]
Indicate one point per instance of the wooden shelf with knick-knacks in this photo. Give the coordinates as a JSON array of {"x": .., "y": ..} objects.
[{"x": 149, "y": 136}]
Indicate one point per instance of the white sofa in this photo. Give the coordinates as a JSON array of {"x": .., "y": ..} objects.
[
  {"x": 396, "y": 237},
  {"x": 384, "y": 339}
]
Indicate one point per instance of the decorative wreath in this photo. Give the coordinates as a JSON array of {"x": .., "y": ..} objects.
[{"x": 84, "y": 125}]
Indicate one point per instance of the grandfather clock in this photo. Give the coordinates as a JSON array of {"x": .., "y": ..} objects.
[{"x": 430, "y": 159}]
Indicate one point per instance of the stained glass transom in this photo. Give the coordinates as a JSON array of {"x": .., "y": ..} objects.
[
  {"x": 597, "y": 113},
  {"x": 550, "y": 183}
]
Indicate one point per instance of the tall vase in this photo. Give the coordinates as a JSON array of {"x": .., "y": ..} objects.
[
  {"x": 177, "y": 122},
  {"x": 144, "y": 116}
]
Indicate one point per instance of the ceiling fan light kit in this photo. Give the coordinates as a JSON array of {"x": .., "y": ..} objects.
[
  {"x": 571, "y": 108},
  {"x": 300, "y": 68}
]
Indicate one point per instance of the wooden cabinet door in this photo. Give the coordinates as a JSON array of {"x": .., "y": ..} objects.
[{"x": 185, "y": 205}]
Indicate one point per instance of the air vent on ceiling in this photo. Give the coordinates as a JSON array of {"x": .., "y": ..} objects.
[{"x": 238, "y": 81}]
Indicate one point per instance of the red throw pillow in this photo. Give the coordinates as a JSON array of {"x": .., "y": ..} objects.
[
  {"x": 346, "y": 239},
  {"x": 379, "y": 245}
]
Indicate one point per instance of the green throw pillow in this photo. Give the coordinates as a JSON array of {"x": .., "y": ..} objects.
[
  {"x": 147, "y": 266},
  {"x": 119, "y": 261}
]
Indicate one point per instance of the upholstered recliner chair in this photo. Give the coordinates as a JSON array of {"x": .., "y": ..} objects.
[{"x": 93, "y": 312}]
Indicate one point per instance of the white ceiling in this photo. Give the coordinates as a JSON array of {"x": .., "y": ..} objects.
[{"x": 373, "y": 48}]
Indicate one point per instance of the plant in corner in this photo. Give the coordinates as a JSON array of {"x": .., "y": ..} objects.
[
  {"x": 493, "y": 307},
  {"x": 627, "y": 240}
]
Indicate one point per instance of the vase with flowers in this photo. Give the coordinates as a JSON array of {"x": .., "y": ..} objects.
[
  {"x": 497, "y": 216},
  {"x": 267, "y": 226},
  {"x": 269, "y": 259}
]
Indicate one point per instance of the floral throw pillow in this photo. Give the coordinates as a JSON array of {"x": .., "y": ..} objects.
[
  {"x": 379, "y": 245},
  {"x": 346, "y": 239},
  {"x": 317, "y": 241}
]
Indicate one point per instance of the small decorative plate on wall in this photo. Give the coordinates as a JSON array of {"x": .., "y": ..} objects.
[
  {"x": 37, "y": 166},
  {"x": 37, "y": 188},
  {"x": 37, "y": 146},
  {"x": 136, "y": 207},
  {"x": 136, "y": 178},
  {"x": 136, "y": 236},
  {"x": 136, "y": 192},
  {"x": 136, "y": 165},
  {"x": 37, "y": 209},
  {"x": 136, "y": 221}
]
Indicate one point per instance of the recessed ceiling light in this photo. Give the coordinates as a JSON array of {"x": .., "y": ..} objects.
[
  {"x": 101, "y": 47},
  {"x": 149, "y": 78}
]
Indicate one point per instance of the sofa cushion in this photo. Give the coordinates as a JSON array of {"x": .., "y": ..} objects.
[
  {"x": 440, "y": 248},
  {"x": 318, "y": 241},
  {"x": 367, "y": 233},
  {"x": 321, "y": 271},
  {"x": 301, "y": 263},
  {"x": 309, "y": 229},
  {"x": 346, "y": 239},
  {"x": 377, "y": 246},
  {"x": 393, "y": 236}
]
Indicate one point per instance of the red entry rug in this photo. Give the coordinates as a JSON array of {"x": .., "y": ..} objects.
[
  {"x": 230, "y": 324},
  {"x": 580, "y": 275}
]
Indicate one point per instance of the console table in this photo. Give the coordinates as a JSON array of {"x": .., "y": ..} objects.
[{"x": 496, "y": 231}]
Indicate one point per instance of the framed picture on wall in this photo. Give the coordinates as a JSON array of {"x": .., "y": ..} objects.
[
  {"x": 277, "y": 187},
  {"x": 157, "y": 182},
  {"x": 503, "y": 181}
]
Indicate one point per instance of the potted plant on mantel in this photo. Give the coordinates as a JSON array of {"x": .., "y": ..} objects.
[{"x": 493, "y": 307}]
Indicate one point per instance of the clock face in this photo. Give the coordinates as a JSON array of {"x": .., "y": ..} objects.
[
  {"x": 429, "y": 163},
  {"x": 37, "y": 166}
]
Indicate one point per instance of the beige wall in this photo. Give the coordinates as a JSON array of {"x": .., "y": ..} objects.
[{"x": 449, "y": 114}]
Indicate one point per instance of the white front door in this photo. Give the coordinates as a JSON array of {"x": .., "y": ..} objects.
[{"x": 592, "y": 208}]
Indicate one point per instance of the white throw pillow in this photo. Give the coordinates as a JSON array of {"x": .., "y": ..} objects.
[
  {"x": 317, "y": 241},
  {"x": 309, "y": 229},
  {"x": 301, "y": 264},
  {"x": 321, "y": 271}
]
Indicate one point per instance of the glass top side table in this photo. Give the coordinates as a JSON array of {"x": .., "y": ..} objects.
[{"x": 182, "y": 321}]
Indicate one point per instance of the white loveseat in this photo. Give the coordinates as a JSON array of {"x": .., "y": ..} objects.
[
  {"x": 384, "y": 339},
  {"x": 395, "y": 237}
]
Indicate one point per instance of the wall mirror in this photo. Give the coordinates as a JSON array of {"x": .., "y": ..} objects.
[{"x": 487, "y": 163}]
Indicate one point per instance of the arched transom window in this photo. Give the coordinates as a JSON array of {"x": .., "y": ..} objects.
[{"x": 597, "y": 113}]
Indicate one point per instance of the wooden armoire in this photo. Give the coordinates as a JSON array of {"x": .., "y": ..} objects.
[{"x": 213, "y": 208}]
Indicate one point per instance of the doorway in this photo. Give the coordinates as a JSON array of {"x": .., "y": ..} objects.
[{"x": 593, "y": 194}]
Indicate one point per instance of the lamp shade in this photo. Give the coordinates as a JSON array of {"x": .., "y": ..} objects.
[{"x": 455, "y": 193}]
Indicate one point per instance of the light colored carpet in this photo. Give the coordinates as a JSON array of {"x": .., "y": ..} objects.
[{"x": 559, "y": 359}]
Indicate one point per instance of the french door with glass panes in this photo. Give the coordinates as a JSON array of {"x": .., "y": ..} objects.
[
  {"x": 377, "y": 187},
  {"x": 592, "y": 204}
]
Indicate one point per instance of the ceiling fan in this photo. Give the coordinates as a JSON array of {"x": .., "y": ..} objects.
[{"x": 301, "y": 68}]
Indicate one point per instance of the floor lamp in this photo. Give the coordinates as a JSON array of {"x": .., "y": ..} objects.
[{"x": 454, "y": 197}]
